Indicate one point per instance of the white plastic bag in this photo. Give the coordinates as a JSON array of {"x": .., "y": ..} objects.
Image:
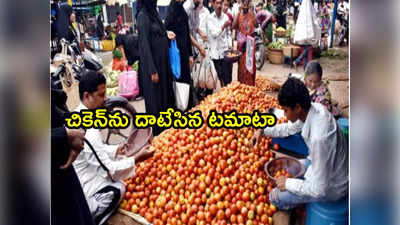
[
  {"x": 207, "y": 75},
  {"x": 308, "y": 30},
  {"x": 182, "y": 91}
]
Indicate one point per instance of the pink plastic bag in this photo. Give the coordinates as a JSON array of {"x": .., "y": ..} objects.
[{"x": 128, "y": 86}]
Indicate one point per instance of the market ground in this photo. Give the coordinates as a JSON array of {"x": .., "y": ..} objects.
[{"x": 335, "y": 70}]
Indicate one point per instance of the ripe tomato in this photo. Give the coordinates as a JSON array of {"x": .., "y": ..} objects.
[
  {"x": 228, "y": 213},
  {"x": 213, "y": 209},
  {"x": 272, "y": 208},
  {"x": 233, "y": 219},
  {"x": 200, "y": 215},
  {"x": 192, "y": 220},
  {"x": 240, "y": 219},
  {"x": 244, "y": 212},
  {"x": 220, "y": 214},
  {"x": 276, "y": 146},
  {"x": 128, "y": 195},
  {"x": 245, "y": 196},
  {"x": 130, "y": 187}
]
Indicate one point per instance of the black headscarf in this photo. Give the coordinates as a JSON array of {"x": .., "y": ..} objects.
[
  {"x": 177, "y": 15},
  {"x": 63, "y": 21},
  {"x": 150, "y": 7}
]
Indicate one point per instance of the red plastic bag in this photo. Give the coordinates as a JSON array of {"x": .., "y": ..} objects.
[{"x": 128, "y": 85}]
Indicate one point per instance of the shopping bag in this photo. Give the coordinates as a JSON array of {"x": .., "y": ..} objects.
[
  {"x": 182, "y": 92},
  {"x": 195, "y": 74},
  {"x": 212, "y": 77},
  {"x": 308, "y": 30},
  {"x": 175, "y": 60},
  {"x": 128, "y": 84},
  {"x": 207, "y": 77}
]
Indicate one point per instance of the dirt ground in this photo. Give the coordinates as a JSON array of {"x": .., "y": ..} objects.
[{"x": 335, "y": 69}]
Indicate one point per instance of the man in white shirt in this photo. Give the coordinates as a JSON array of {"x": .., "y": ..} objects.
[
  {"x": 218, "y": 25},
  {"x": 103, "y": 190},
  {"x": 326, "y": 176}
]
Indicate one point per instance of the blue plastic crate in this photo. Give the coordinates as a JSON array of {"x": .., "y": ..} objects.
[{"x": 328, "y": 213}]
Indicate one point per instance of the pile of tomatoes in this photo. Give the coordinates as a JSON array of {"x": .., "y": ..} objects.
[
  {"x": 282, "y": 172},
  {"x": 266, "y": 84},
  {"x": 207, "y": 176}
]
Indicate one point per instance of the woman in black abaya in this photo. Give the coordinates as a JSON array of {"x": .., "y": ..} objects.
[
  {"x": 64, "y": 27},
  {"x": 178, "y": 21},
  {"x": 154, "y": 67}
]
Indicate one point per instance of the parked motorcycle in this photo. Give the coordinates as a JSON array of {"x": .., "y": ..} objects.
[
  {"x": 260, "y": 49},
  {"x": 69, "y": 66},
  {"x": 71, "y": 63}
]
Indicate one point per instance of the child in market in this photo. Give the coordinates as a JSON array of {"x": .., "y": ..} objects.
[{"x": 319, "y": 89}]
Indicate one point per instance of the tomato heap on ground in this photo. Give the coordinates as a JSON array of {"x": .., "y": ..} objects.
[
  {"x": 265, "y": 84},
  {"x": 207, "y": 176}
]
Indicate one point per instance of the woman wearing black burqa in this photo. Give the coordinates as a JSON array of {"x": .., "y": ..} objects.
[
  {"x": 154, "y": 67},
  {"x": 64, "y": 28},
  {"x": 100, "y": 26},
  {"x": 281, "y": 16},
  {"x": 178, "y": 21}
]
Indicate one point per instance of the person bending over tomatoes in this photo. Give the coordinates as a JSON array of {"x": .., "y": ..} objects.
[
  {"x": 326, "y": 176},
  {"x": 101, "y": 171}
]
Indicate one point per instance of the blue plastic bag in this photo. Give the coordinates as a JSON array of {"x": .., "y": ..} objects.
[{"x": 175, "y": 60}]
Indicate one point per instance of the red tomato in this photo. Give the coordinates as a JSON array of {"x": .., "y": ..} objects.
[{"x": 220, "y": 214}]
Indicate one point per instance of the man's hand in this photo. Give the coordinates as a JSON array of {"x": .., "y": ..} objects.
[
  {"x": 155, "y": 78},
  {"x": 204, "y": 37},
  {"x": 75, "y": 141},
  {"x": 191, "y": 61},
  {"x": 73, "y": 154},
  {"x": 281, "y": 183},
  {"x": 122, "y": 148},
  {"x": 144, "y": 154},
  {"x": 202, "y": 52},
  {"x": 125, "y": 62},
  {"x": 226, "y": 24},
  {"x": 75, "y": 138},
  {"x": 171, "y": 35},
  {"x": 254, "y": 139}
]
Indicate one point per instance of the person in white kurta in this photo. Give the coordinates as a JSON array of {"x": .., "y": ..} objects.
[
  {"x": 103, "y": 193},
  {"x": 326, "y": 176},
  {"x": 218, "y": 27},
  {"x": 93, "y": 177}
]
